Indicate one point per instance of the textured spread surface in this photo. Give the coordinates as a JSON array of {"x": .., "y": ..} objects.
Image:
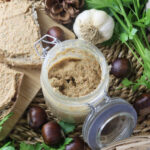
[
  {"x": 10, "y": 81},
  {"x": 75, "y": 77},
  {"x": 18, "y": 33},
  {"x": 18, "y": 8},
  {"x": 7, "y": 85}
]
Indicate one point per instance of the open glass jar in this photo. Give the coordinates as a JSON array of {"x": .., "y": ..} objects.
[
  {"x": 73, "y": 110},
  {"x": 106, "y": 120}
]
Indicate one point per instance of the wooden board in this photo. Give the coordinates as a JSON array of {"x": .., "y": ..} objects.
[
  {"x": 29, "y": 88},
  {"x": 31, "y": 82},
  {"x": 46, "y": 23}
]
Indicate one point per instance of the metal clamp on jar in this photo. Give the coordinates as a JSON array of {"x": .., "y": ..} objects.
[{"x": 106, "y": 120}]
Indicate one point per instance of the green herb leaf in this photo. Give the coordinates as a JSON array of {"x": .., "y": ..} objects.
[
  {"x": 147, "y": 19},
  {"x": 144, "y": 22},
  {"x": 127, "y": 82},
  {"x": 4, "y": 120},
  {"x": 61, "y": 147},
  {"x": 25, "y": 146},
  {"x": 126, "y": 3},
  {"x": 7, "y": 146},
  {"x": 135, "y": 87},
  {"x": 124, "y": 37},
  {"x": 46, "y": 147},
  {"x": 67, "y": 141},
  {"x": 37, "y": 146},
  {"x": 100, "y": 3},
  {"x": 131, "y": 16},
  {"x": 132, "y": 33},
  {"x": 67, "y": 127}
]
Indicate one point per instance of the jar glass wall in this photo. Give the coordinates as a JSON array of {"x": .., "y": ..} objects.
[{"x": 73, "y": 110}]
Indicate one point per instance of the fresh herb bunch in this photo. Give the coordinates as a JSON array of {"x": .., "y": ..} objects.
[
  {"x": 38, "y": 146},
  {"x": 132, "y": 21}
]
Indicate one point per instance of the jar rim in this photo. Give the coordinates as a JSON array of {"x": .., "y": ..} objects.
[
  {"x": 104, "y": 68},
  {"x": 130, "y": 126}
]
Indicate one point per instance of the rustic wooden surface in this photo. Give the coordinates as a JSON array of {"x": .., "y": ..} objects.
[
  {"x": 133, "y": 143},
  {"x": 31, "y": 81},
  {"x": 29, "y": 88}
]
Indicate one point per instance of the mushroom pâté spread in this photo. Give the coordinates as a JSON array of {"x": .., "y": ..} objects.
[{"x": 75, "y": 77}]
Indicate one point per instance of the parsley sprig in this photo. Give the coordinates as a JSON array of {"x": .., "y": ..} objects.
[
  {"x": 67, "y": 127},
  {"x": 132, "y": 20},
  {"x": 42, "y": 146},
  {"x": 37, "y": 146},
  {"x": 8, "y": 146}
]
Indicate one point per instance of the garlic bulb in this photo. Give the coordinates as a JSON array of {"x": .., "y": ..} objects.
[{"x": 95, "y": 26}]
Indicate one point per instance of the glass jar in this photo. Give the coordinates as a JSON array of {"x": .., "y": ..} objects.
[
  {"x": 73, "y": 110},
  {"x": 106, "y": 120}
]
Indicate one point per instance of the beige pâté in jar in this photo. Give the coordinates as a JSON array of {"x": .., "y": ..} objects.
[{"x": 74, "y": 76}]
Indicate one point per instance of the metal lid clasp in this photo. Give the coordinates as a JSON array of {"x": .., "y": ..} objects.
[{"x": 45, "y": 41}]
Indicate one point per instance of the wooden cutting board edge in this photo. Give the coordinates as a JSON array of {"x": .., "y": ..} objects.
[{"x": 29, "y": 89}]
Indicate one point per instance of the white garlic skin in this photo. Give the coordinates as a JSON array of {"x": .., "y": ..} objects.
[
  {"x": 97, "y": 19},
  {"x": 148, "y": 5}
]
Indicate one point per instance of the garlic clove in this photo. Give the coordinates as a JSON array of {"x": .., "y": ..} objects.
[
  {"x": 99, "y": 17},
  {"x": 148, "y": 5},
  {"x": 107, "y": 29},
  {"x": 104, "y": 23}
]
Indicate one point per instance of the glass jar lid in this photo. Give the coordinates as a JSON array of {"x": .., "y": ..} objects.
[{"x": 111, "y": 121}]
